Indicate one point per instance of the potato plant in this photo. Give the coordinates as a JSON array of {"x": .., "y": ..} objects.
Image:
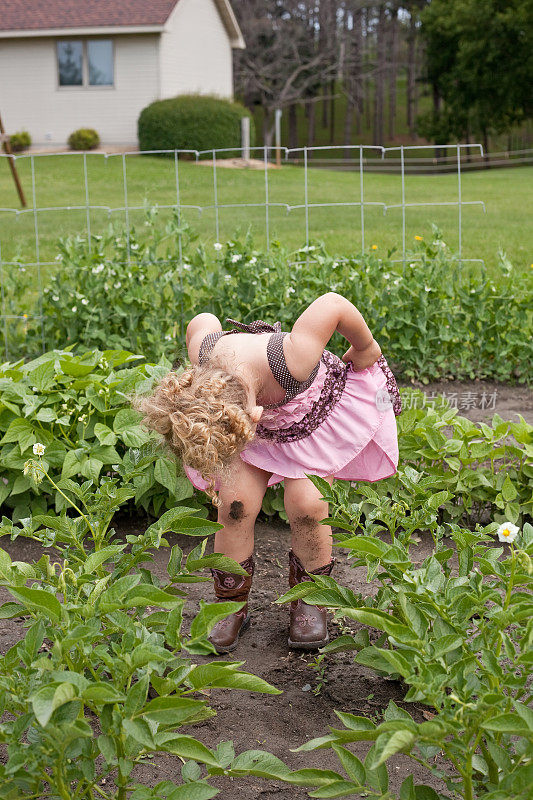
[
  {"x": 457, "y": 630},
  {"x": 104, "y": 677}
]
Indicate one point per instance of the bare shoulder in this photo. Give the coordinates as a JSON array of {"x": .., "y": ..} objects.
[{"x": 197, "y": 329}]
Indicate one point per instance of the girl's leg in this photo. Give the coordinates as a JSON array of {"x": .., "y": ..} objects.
[
  {"x": 311, "y": 553},
  {"x": 241, "y": 496},
  {"x": 311, "y": 541}
]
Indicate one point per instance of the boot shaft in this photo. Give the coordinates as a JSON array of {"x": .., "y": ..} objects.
[{"x": 229, "y": 586}]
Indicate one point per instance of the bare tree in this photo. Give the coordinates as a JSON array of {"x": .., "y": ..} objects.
[{"x": 283, "y": 62}]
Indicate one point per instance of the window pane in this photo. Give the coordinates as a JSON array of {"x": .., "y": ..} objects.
[
  {"x": 100, "y": 55},
  {"x": 69, "y": 61}
]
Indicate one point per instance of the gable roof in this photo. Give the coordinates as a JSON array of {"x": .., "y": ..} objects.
[{"x": 20, "y": 18}]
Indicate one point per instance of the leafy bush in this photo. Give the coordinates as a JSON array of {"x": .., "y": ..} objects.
[
  {"x": 20, "y": 141},
  {"x": 457, "y": 630},
  {"x": 84, "y": 139},
  {"x": 77, "y": 407},
  {"x": 192, "y": 122}
]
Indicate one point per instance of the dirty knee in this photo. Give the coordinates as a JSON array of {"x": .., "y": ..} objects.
[
  {"x": 306, "y": 522},
  {"x": 234, "y": 513}
]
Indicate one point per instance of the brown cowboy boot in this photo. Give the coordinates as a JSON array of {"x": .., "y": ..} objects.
[
  {"x": 308, "y": 624},
  {"x": 225, "y": 634}
]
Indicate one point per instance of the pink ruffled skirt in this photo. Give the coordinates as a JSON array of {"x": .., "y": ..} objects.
[{"x": 357, "y": 440}]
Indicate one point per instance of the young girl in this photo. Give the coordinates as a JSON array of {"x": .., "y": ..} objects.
[{"x": 262, "y": 406}]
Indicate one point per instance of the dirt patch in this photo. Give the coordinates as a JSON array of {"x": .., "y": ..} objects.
[
  {"x": 480, "y": 400},
  {"x": 238, "y": 163}
]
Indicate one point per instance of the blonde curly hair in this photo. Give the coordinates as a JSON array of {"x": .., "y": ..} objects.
[{"x": 201, "y": 414}]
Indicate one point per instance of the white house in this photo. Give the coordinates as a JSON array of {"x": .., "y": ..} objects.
[{"x": 68, "y": 64}]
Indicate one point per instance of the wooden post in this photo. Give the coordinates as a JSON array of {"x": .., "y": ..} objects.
[
  {"x": 278, "y": 136},
  {"x": 4, "y": 140}
]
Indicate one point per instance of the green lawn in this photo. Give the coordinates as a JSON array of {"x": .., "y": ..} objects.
[{"x": 59, "y": 182}]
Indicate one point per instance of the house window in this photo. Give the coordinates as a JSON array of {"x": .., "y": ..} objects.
[{"x": 85, "y": 63}]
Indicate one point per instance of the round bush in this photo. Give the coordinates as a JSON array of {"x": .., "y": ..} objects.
[
  {"x": 20, "y": 141},
  {"x": 84, "y": 139},
  {"x": 192, "y": 122}
]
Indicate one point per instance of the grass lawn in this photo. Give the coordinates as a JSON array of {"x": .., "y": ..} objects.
[{"x": 59, "y": 182}]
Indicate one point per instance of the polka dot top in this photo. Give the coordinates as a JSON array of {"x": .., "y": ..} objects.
[{"x": 275, "y": 355}]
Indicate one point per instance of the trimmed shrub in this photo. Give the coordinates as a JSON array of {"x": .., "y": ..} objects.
[
  {"x": 192, "y": 122},
  {"x": 84, "y": 139},
  {"x": 20, "y": 141}
]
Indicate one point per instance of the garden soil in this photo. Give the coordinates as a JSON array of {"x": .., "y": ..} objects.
[{"x": 306, "y": 707}]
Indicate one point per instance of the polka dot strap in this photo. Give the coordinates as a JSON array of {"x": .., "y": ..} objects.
[
  {"x": 279, "y": 369},
  {"x": 258, "y": 326}
]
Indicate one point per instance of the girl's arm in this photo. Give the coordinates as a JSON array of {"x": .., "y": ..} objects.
[
  {"x": 314, "y": 328},
  {"x": 197, "y": 329}
]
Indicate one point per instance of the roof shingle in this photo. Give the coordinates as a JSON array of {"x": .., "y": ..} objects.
[{"x": 33, "y": 15}]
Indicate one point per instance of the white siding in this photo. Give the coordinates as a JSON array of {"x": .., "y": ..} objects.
[
  {"x": 196, "y": 54},
  {"x": 30, "y": 98}
]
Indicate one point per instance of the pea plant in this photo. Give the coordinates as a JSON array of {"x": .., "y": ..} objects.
[
  {"x": 104, "y": 678},
  {"x": 457, "y": 630},
  {"x": 433, "y": 316}
]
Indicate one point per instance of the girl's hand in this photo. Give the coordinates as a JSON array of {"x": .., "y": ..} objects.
[{"x": 361, "y": 359}]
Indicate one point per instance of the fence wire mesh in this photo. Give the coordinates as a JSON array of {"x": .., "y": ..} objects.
[{"x": 126, "y": 192}]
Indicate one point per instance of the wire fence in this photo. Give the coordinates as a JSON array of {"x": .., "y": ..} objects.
[{"x": 261, "y": 199}]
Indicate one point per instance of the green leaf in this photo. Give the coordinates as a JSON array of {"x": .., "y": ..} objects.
[
  {"x": 39, "y": 601},
  {"x": 140, "y": 730},
  {"x": 94, "y": 560},
  {"x": 165, "y": 474},
  {"x": 47, "y": 699},
  {"x": 43, "y": 376},
  {"x": 21, "y": 431},
  {"x": 336, "y": 789},
  {"x": 508, "y": 490},
  {"x": 126, "y": 425},
  {"x": 193, "y": 791},
  {"x": 195, "y": 526},
  {"x": 104, "y": 434},
  {"x": 171, "y": 710},
  {"x": 351, "y": 764},
  {"x": 508, "y": 723},
  {"x": 225, "y": 677},
  {"x": 389, "y": 743},
  {"x": 366, "y": 546},
  {"x": 186, "y": 747},
  {"x": 101, "y": 693}
]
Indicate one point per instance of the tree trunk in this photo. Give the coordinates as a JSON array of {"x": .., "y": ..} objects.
[
  {"x": 348, "y": 122},
  {"x": 377, "y": 138},
  {"x": 332, "y": 113},
  {"x": 393, "y": 68},
  {"x": 411, "y": 74},
  {"x": 311, "y": 124},
  {"x": 293, "y": 126}
]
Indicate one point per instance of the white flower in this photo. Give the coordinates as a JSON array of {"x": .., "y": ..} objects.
[
  {"x": 291, "y": 290},
  {"x": 130, "y": 275},
  {"x": 98, "y": 269},
  {"x": 236, "y": 257},
  {"x": 186, "y": 266},
  {"x": 252, "y": 261},
  {"x": 134, "y": 247},
  {"x": 335, "y": 265},
  {"x": 55, "y": 297},
  {"x": 141, "y": 277},
  {"x": 85, "y": 302},
  {"x": 507, "y": 532},
  {"x": 267, "y": 270},
  {"x": 64, "y": 406},
  {"x": 82, "y": 417},
  {"x": 227, "y": 278},
  {"x": 59, "y": 258},
  {"x": 386, "y": 276},
  {"x": 74, "y": 308},
  {"x": 217, "y": 246},
  {"x": 38, "y": 449},
  {"x": 117, "y": 285},
  {"x": 113, "y": 272},
  {"x": 427, "y": 288},
  {"x": 396, "y": 282},
  {"x": 35, "y": 389}
]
